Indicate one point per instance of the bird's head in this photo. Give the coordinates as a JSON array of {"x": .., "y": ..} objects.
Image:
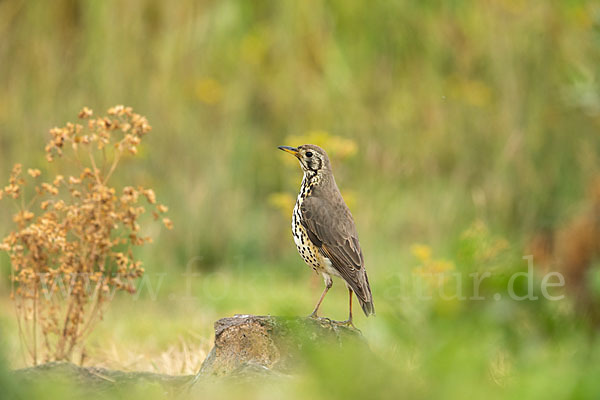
[{"x": 312, "y": 158}]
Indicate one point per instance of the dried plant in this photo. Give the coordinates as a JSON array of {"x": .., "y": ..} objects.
[
  {"x": 72, "y": 246},
  {"x": 573, "y": 249}
]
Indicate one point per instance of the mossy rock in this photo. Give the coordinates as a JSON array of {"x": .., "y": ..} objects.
[{"x": 272, "y": 344}]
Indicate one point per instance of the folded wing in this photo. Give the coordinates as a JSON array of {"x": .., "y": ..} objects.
[{"x": 334, "y": 233}]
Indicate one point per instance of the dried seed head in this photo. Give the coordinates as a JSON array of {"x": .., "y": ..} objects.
[
  {"x": 79, "y": 222},
  {"x": 34, "y": 173},
  {"x": 58, "y": 180},
  {"x": 168, "y": 223},
  {"x": 150, "y": 196},
  {"x": 85, "y": 113}
]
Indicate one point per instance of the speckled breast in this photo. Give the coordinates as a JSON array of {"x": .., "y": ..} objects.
[{"x": 309, "y": 252}]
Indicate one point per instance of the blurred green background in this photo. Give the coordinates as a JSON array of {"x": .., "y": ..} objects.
[{"x": 464, "y": 135}]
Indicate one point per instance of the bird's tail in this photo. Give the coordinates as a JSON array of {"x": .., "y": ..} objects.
[
  {"x": 367, "y": 306},
  {"x": 366, "y": 301}
]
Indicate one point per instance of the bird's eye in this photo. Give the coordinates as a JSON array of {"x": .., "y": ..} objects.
[{"x": 309, "y": 154}]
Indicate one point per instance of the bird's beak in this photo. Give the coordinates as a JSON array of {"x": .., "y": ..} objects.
[{"x": 291, "y": 150}]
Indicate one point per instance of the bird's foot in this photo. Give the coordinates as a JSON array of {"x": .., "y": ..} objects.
[
  {"x": 321, "y": 319},
  {"x": 347, "y": 323}
]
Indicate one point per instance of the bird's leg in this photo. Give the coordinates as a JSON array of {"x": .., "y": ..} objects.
[
  {"x": 350, "y": 305},
  {"x": 328, "y": 284},
  {"x": 348, "y": 322}
]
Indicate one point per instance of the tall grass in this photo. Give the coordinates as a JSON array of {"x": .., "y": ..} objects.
[{"x": 476, "y": 109}]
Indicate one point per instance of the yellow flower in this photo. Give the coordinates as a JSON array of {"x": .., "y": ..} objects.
[
  {"x": 421, "y": 252},
  {"x": 434, "y": 272},
  {"x": 209, "y": 91},
  {"x": 254, "y": 46}
]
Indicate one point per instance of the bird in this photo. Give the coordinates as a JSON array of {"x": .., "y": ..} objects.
[{"x": 324, "y": 231}]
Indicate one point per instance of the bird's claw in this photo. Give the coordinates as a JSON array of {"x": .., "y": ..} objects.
[
  {"x": 320, "y": 319},
  {"x": 347, "y": 323}
]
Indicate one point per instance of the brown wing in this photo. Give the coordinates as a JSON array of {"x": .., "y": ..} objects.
[{"x": 331, "y": 228}]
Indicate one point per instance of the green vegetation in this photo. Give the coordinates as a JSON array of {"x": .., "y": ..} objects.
[{"x": 464, "y": 135}]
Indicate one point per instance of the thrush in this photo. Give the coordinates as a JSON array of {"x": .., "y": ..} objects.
[{"x": 324, "y": 230}]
